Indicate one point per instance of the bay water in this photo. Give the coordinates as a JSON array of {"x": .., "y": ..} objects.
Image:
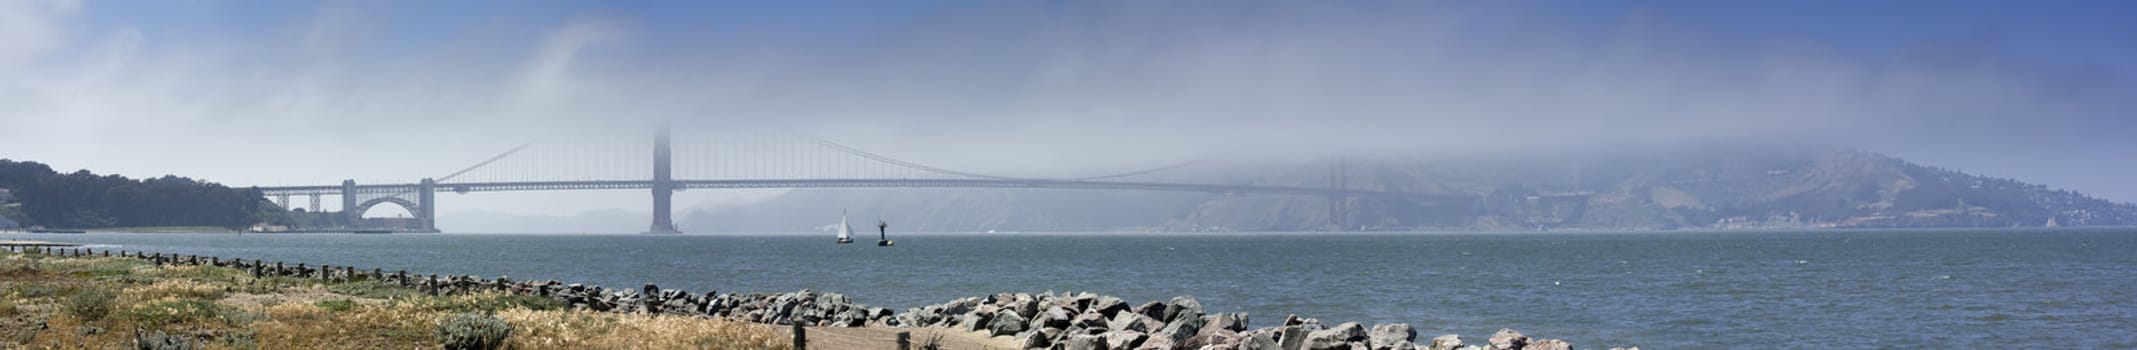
[{"x": 1675, "y": 290}]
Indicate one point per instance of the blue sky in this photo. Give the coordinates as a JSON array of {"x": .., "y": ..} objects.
[{"x": 2038, "y": 91}]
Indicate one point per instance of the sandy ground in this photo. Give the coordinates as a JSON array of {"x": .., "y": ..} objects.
[{"x": 885, "y": 338}]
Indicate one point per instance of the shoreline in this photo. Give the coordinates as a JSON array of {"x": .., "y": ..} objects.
[{"x": 1068, "y": 320}]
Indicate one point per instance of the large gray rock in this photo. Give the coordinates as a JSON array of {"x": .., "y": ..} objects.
[
  {"x": 1338, "y": 337},
  {"x": 1507, "y": 339},
  {"x": 1108, "y": 306},
  {"x": 1089, "y": 320},
  {"x": 975, "y": 321},
  {"x": 1056, "y": 318},
  {"x": 1124, "y": 339},
  {"x": 1153, "y": 309},
  {"x": 1157, "y": 341},
  {"x": 1445, "y": 342},
  {"x": 1223, "y": 339},
  {"x": 1308, "y": 324},
  {"x": 1081, "y": 302},
  {"x": 1388, "y": 336},
  {"x": 1150, "y": 324},
  {"x": 1006, "y": 322},
  {"x": 1026, "y": 306},
  {"x": 1187, "y": 326},
  {"x": 961, "y": 306},
  {"x": 1548, "y": 344},
  {"x": 1180, "y": 305},
  {"x": 1223, "y": 323},
  {"x": 1034, "y": 339},
  {"x": 1127, "y": 322},
  {"x": 1292, "y": 337},
  {"x": 1259, "y": 340},
  {"x": 1083, "y": 342}
]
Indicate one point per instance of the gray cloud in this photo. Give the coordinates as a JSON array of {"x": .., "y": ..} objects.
[{"x": 1020, "y": 88}]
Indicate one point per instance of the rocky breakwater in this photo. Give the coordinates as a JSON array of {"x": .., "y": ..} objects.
[
  {"x": 1085, "y": 321},
  {"x": 802, "y": 307},
  {"x": 1069, "y": 321}
]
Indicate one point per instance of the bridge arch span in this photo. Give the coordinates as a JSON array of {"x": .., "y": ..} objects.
[{"x": 411, "y": 206}]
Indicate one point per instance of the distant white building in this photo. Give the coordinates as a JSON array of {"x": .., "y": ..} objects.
[{"x": 5, "y": 196}]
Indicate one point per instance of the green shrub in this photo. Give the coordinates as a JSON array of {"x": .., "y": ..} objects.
[
  {"x": 489, "y": 303},
  {"x": 100, "y": 267},
  {"x": 372, "y": 289},
  {"x": 243, "y": 339},
  {"x": 336, "y": 305},
  {"x": 40, "y": 290},
  {"x": 90, "y": 305},
  {"x": 20, "y": 268},
  {"x": 162, "y": 341},
  {"x": 176, "y": 312},
  {"x": 201, "y": 273},
  {"x": 273, "y": 284},
  {"x": 469, "y": 331}
]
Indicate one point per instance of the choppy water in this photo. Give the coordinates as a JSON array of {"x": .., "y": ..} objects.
[{"x": 1907, "y": 289}]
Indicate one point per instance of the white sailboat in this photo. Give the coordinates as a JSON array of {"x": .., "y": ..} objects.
[{"x": 845, "y": 231}]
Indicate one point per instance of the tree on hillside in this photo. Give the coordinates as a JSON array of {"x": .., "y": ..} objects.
[{"x": 84, "y": 199}]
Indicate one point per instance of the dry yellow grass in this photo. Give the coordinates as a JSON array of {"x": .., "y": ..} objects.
[
  {"x": 558, "y": 329},
  {"x": 171, "y": 290},
  {"x": 304, "y": 326},
  {"x": 198, "y": 303}
]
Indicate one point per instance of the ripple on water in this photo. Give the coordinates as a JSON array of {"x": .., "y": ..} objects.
[{"x": 1662, "y": 291}]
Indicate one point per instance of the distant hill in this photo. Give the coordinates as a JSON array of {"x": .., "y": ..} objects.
[
  {"x": 80, "y": 199},
  {"x": 1706, "y": 188}
]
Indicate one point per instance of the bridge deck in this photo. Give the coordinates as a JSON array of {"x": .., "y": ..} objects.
[{"x": 851, "y": 183}]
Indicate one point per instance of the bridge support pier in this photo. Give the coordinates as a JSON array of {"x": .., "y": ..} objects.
[
  {"x": 282, "y": 201},
  {"x": 315, "y": 203},
  {"x": 663, "y": 184}
]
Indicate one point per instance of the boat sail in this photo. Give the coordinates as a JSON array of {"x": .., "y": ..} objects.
[{"x": 845, "y": 231}]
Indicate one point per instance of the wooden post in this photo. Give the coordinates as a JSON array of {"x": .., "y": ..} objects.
[
  {"x": 801, "y": 338},
  {"x": 905, "y": 340}
]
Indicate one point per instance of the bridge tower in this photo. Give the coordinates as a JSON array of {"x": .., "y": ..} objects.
[
  {"x": 349, "y": 215},
  {"x": 427, "y": 200},
  {"x": 1337, "y": 202},
  {"x": 663, "y": 184}
]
